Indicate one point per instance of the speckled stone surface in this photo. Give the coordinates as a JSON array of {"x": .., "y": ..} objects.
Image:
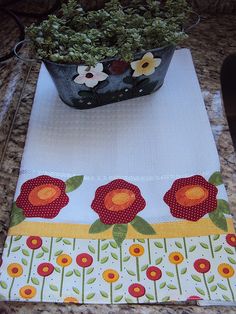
[{"x": 210, "y": 43}]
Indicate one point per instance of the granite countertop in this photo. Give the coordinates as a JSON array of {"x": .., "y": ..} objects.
[{"x": 210, "y": 43}]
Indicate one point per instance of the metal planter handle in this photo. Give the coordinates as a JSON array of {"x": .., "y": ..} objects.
[
  {"x": 19, "y": 44},
  {"x": 197, "y": 21}
]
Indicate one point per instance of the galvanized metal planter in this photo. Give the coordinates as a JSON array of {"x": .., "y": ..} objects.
[{"x": 111, "y": 80}]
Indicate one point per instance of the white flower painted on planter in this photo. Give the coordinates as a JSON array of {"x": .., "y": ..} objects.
[
  {"x": 90, "y": 76},
  {"x": 146, "y": 65}
]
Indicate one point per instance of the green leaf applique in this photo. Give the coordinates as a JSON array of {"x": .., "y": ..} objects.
[
  {"x": 142, "y": 226},
  {"x": 216, "y": 178},
  {"x": 223, "y": 206},
  {"x": 98, "y": 227},
  {"x": 119, "y": 233},
  {"x": 218, "y": 219},
  {"x": 73, "y": 183},
  {"x": 17, "y": 215}
]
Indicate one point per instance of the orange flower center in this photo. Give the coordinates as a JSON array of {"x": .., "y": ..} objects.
[
  {"x": 44, "y": 194},
  {"x": 64, "y": 260},
  {"x": 118, "y": 200},
  {"x": 84, "y": 259},
  {"x": 14, "y": 270},
  {"x": 28, "y": 291},
  {"x": 34, "y": 241},
  {"x": 202, "y": 266},
  {"x": 191, "y": 195},
  {"x": 153, "y": 273},
  {"x": 136, "y": 289},
  {"x": 45, "y": 269},
  {"x": 225, "y": 270},
  {"x": 233, "y": 239}
]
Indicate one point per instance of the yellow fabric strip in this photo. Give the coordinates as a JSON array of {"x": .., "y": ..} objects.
[{"x": 203, "y": 227}]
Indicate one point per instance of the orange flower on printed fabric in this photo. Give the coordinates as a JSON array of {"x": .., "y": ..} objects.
[
  {"x": 231, "y": 239},
  {"x": 84, "y": 260},
  {"x": 27, "y": 292},
  {"x": 176, "y": 258},
  {"x": 110, "y": 275},
  {"x": 64, "y": 260},
  {"x": 202, "y": 265},
  {"x": 14, "y": 270},
  {"x": 70, "y": 300},
  {"x": 43, "y": 196},
  {"x": 34, "y": 242},
  {"x": 118, "y": 202},
  {"x": 136, "y": 250},
  {"x": 191, "y": 198},
  {"x": 226, "y": 270}
]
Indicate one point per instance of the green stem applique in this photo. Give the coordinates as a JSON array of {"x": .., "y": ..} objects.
[
  {"x": 99, "y": 249},
  {"x": 155, "y": 289},
  {"x": 121, "y": 266},
  {"x": 137, "y": 300},
  {"x": 111, "y": 293},
  {"x": 50, "y": 250},
  {"x": 74, "y": 243},
  {"x": 207, "y": 289},
  {"x": 211, "y": 247},
  {"x": 10, "y": 244},
  {"x": 41, "y": 294},
  {"x": 30, "y": 268},
  {"x": 165, "y": 245},
  {"x": 185, "y": 248},
  {"x": 83, "y": 280},
  {"x": 9, "y": 293},
  {"x": 62, "y": 279},
  {"x": 177, "y": 273},
  {"x": 149, "y": 252},
  {"x": 137, "y": 269},
  {"x": 231, "y": 290}
]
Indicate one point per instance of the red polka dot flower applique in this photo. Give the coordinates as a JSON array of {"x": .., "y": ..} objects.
[
  {"x": 117, "y": 204},
  {"x": 193, "y": 197},
  {"x": 44, "y": 197}
]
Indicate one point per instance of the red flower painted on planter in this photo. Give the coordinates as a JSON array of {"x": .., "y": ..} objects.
[
  {"x": 42, "y": 196},
  {"x": 191, "y": 198},
  {"x": 118, "y": 202},
  {"x": 34, "y": 243},
  {"x": 153, "y": 273},
  {"x": 137, "y": 290},
  {"x": 84, "y": 260},
  {"x": 118, "y": 67},
  {"x": 231, "y": 239},
  {"x": 45, "y": 269},
  {"x": 202, "y": 265}
]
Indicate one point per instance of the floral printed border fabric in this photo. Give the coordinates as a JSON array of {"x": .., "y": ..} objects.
[{"x": 140, "y": 238}]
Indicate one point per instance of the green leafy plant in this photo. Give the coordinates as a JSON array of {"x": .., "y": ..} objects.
[{"x": 117, "y": 30}]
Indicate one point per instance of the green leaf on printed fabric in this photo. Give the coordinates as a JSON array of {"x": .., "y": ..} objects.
[
  {"x": 178, "y": 244},
  {"x": 98, "y": 227},
  {"x": 103, "y": 294},
  {"x": 149, "y": 296},
  {"x": 45, "y": 249},
  {"x": 226, "y": 298},
  {"x": 126, "y": 258},
  {"x": 213, "y": 288},
  {"x": 3, "y": 284},
  {"x": 5, "y": 245},
  {"x": 172, "y": 287},
  {"x": 162, "y": 285},
  {"x": 17, "y": 215},
  {"x": 216, "y": 237},
  {"x": 199, "y": 290},
  {"x": 114, "y": 255},
  {"x": 17, "y": 238},
  {"x": 25, "y": 252},
  {"x": 113, "y": 244},
  {"x": 57, "y": 253},
  {"x": 119, "y": 286},
  {"x": 24, "y": 261},
  {"x": 53, "y": 288},
  {"x": 67, "y": 242},
  {"x": 69, "y": 273},
  {"x": 165, "y": 299},
  {"x": 35, "y": 281},
  {"x": 221, "y": 286},
  {"x": 58, "y": 239},
  {"x": 118, "y": 298},
  {"x": 90, "y": 296},
  {"x": 211, "y": 279},
  {"x": 91, "y": 280},
  {"x": 104, "y": 259},
  {"x": 229, "y": 251},
  {"x": 15, "y": 249},
  {"x": 216, "y": 178},
  {"x": 130, "y": 272},
  {"x": 104, "y": 246},
  {"x": 196, "y": 278},
  {"x": 231, "y": 260},
  {"x": 76, "y": 290},
  {"x": 223, "y": 206},
  {"x": 119, "y": 233},
  {"x": 192, "y": 248},
  {"x": 39, "y": 255},
  {"x": 142, "y": 226},
  {"x": 129, "y": 301},
  {"x": 158, "y": 260},
  {"x": 144, "y": 267},
  {"x": 91, "y": 249},
  {"x": 73, "y": 183},
  {"x": 141, "y": 240},
  {"x": 170, "y": 274},
  {"x": 89, "y": 270},
  {"x": 158, "y": 244},
  {"x": 57, "y": 269},
  {"x": 183, "y": 271},
  {"x": 218, "y": 248},
  {"x": 204, "y": 245},
  {"x": 218, "y": 219},
  {"x": 77, "y": 273}
]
